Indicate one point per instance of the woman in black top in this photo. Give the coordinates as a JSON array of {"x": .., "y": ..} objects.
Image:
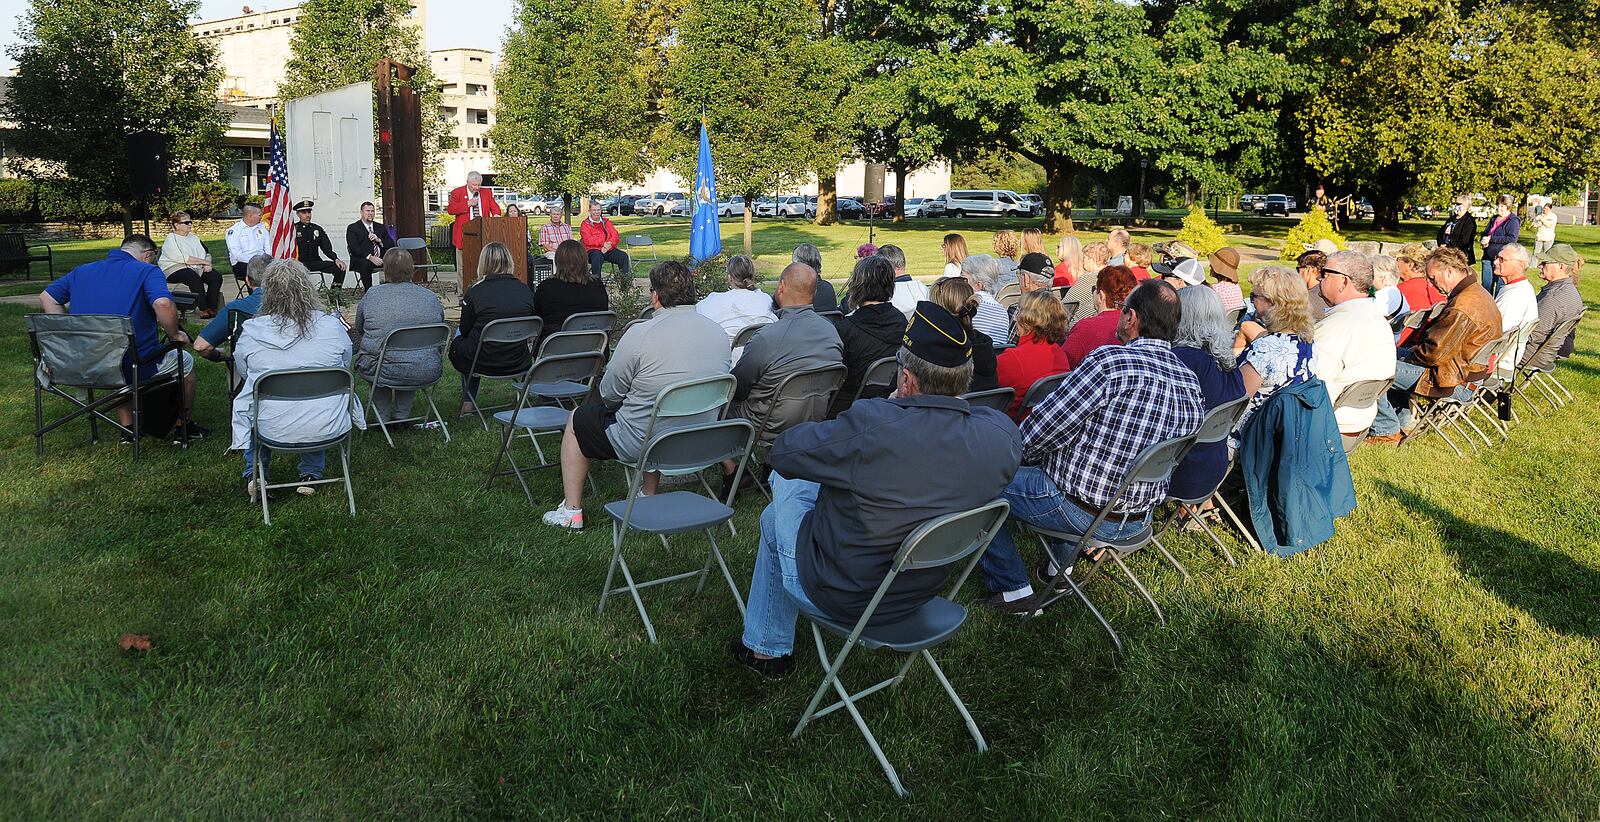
[
  {"x": 573, "y": 289},
  {"x": 498, "y": 296},
  {"x": 955, "y": 294},
  {"x": 873, "y": 330}
]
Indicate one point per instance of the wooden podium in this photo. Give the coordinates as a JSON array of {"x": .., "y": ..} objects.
[{"x": 512, "y": 232}]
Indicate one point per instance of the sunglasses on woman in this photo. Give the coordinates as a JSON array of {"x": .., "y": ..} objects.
[{"x": 183, "y": 222}]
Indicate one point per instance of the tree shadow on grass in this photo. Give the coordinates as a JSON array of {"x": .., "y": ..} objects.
[{"x": 1548, "y": 584}]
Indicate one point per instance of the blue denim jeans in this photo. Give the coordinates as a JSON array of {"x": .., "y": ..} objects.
[
  {"x": 1394, "y": 408},
  {"x": 1035, "y": 500},
  {"x": 1489, "y": 282},
  {"x": 776, "y": 596},
  {"x": 311, "y": 462}
]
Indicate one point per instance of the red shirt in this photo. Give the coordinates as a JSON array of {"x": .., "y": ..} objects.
[
  {"x": 1020, "y": 367},
  {"x": 596, "y": 235},
  {"x": 1091, "y": 333},
  {"x": 1419, "y": 293},
  {"x": 1063, "y": 276},
  {"x": 462, "y": 208},
  {"x": 1140, "y": 273}
]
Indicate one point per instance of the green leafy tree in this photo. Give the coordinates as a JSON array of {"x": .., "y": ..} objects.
[
  {"x": 89, "y": 73},
  {"x": 767, "y": 84},
  {"x": 337, "y": 43},
  {"x": 570, "y": 114},
  {"x": 997, "y": 168},
  {"x": 1201, "y": 232}
]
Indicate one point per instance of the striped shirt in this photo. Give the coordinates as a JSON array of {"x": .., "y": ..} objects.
[
  {"x": 554, "y": 234},
  {"x": 1120, "y": 400}
]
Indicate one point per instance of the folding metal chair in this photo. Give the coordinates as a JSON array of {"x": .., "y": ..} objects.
[
  {"x": 573, "y": 342},
  {"x": 509, "y": 331},
  {"x": 687, "y": 450},
  {"x": 746, "y": 334},
  {"x": 1219, "y": 422},
  {"x": 1363, "y": 394},
  {"x": 803, "y": 396},
  {"x": 634, "y": 241},
  {"x": 1549, "y": 389},
  {"x": 550, "y": 370},
  {"x": 1009, "y": 296},
  {"x": 1443, "y": 414},
  {"x": 85, "y": 352},
  {"x": 1041, "y": 388},
  {"x": 880, "y": 374},
  {"x": 427, "y": 337},
  {"x": 302, "y": 385},
  {"x": 936, "y": 544},
  {"x": 1234, "y": 316},
  {"x": 590, "y": 321},
  {"x": 429, "y": 269},
  {"x": 1155, "y": 463},
  {"x": 1000, "y": 399}
]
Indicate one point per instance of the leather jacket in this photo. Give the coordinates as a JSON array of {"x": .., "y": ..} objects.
[{"x": 1469, "y": 322}]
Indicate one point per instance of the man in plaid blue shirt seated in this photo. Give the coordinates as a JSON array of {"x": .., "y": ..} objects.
[{"x": 1081, "y": 440}]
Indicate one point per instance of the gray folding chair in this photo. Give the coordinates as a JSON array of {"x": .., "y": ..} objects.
[
  {"x": 803, "y": 396},
  {"x": 1219, "y": 422},
  {"x": 540, "y": 419},
  {"x": 745, "y": 334},
  {"x": 1444, "y": 414},
  {"x": 428, "y": 337},
  {"x": 85, "y": 352},
  {"x": 1000, "y": 399},
  {"x": 1363, "y": 394},
  {"x": 1154, "y": 464},
  {"x": 634, "y": 241},
  {"x": 590, "y": 321},
  {"x": 880, "y": 374},
  {"x": 508, "y": 331},
  {"x": 1550, "y": 390},
  {"x": 302, "y": 385},
  {"x": 1071, "y": 308},
  {"x": 1041, "y": 388},
  {"x": 935, "y": 544},
  {"x": 1234, "y": 315},
  {"x": 573, "y": 342},
  {"x": 570, "y": 392},
  {"x": 1009, "y": 296},
  {"x": 681, "y": 451},
  {"x": 429, "y": 269}
]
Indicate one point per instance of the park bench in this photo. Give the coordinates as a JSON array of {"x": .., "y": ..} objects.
[{"x": 16, "y": 252}]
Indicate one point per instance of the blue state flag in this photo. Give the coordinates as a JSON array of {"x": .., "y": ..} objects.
[{"x": 705, "y": 239}]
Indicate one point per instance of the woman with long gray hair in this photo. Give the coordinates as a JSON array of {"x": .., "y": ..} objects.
[
  {"x": 1204, "y": 343},
  {"x": 742, "y": 305},
  {"x": 293, "y": 329}
]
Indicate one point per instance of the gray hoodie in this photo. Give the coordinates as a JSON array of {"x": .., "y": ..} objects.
[{"x": 265, "y": 344}]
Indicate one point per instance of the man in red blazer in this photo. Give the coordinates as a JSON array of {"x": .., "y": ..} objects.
[{"x": 469, "y": 201}]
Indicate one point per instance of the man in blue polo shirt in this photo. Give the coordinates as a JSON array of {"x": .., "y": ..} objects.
[{"x": 126, "y": 284}]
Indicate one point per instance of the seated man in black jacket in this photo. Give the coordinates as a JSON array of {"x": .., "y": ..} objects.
[
  {"x": 846, "y": 492},
  {"x": 312, "y": 244},
  {"x": 366, "y": 240}
]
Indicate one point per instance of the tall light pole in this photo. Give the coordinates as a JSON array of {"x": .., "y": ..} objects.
[{"x": 1138, "y": 204}]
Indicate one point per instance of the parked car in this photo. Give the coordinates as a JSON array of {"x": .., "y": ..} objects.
[
  {"x": 1425, "y": 212},
  {"x": 731, "y": 206},
  {"x": 914, "y": 206},
  {"x": 791, "y": 205},
  {"x": 1036, "y": 201},
  {"x": 1293, "y": 204},
  {"x": 986, "y": 202},
  {"x": 1273, "y": 204},
  {"x": 1364, "y": 209},
  {"x": 1247, "y": 202},
  {"x": 811, "y": 208},
  {"x": 662, "y": 203},
  {"x": 934, "y": 207},
  {"x": 619, "y": 206},
  {"x": 850, "y": 208}
]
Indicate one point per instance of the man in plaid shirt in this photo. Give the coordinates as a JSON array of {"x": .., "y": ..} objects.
[
  {"x": 555, "y": 232},
  {"x": 1081, "y": 440}
]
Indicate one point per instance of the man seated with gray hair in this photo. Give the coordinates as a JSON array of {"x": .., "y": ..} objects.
[
  {"x": 981, "y": 271},
  {"x": 800, "y": 340},
  {"x": 846, "y": 492},
  {"x": 826, "y": 299},
  {"x": 1353, "y": 340},
  {"x": 216, "y": 332},
  {"x": 1517, "y": 302},
  {"x": 907, "y": 291}
]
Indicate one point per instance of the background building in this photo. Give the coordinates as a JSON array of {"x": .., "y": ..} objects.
[{"x": 467, "y": 102}]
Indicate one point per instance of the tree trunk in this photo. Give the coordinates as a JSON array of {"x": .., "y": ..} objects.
[
  {"x": 566, "y": 204},
  {"x": 900, "y": 193},
  {"x": 827, "y": 199},
  {"x": 749, "y": 212},
  {"x": 1058, "y": 177},
  {"x": 1386, "y": 198},
  {"x": 1188, "y": 193}
]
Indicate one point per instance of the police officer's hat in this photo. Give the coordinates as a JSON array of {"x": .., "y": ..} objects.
[{"x": 303, "y": 205}]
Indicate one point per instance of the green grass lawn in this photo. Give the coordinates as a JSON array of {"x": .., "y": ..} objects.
[{"x": 440, "y": 654}]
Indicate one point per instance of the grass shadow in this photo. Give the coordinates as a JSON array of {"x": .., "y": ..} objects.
[{"x": 1549, "y": 585}]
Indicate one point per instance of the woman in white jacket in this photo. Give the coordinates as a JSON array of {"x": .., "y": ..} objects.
[
  {"x": 293, "y": 329},
  {"x": 1544, "y": 226}
]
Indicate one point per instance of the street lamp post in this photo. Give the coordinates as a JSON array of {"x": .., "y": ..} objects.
[{"x": 1138, "y": 205}]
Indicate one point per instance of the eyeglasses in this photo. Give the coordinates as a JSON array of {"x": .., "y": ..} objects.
[
  {"x": 1327, "y": 271},
  {"x": 183, "y": 222}
]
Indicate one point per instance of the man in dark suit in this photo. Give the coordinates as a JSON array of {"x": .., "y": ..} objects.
[
  {"x": 312, "y": 245},
  {"x": 367, "y": 239}
]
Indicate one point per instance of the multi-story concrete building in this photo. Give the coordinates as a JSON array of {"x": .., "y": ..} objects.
[
  {"x": 467, "y": 101},
  {"x": 253, "y": 47}
]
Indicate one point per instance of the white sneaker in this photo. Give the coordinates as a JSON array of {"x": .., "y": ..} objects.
[{"x": 564, "y": 517}]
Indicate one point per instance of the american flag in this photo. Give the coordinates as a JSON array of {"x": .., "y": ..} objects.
[{"x": 280, "y": 220}]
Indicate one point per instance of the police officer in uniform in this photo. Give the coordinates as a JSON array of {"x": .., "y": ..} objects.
[{"x": 312, "y": 245}]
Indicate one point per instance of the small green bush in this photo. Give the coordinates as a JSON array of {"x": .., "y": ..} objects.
[
  {"x": 17, "y": 201},
  {"x": 1312, "y": 227},
  {"x": 1201, "y": 232},
  {"x": 204, "y": 199}
]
